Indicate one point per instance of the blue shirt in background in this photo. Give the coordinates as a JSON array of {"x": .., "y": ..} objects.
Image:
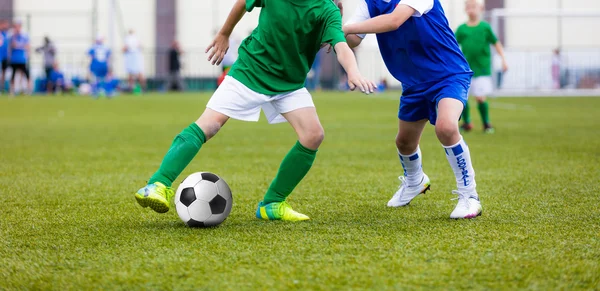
[
  {"x": 100, "y": 55},
  {"x": 57, "y": 77},
  {"x": 18, "y": 53},
  {"x": 4, "y": 41}
]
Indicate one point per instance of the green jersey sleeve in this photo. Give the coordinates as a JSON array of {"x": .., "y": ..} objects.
[
  {"x": 251, "y": 4},
  {"x": 491, "y": 36},
  {"x": 333, "y": 33}
]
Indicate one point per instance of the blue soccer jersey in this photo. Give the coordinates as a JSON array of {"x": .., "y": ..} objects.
[
  {"x": 423, "y": 54},
  {"x": 18, "y": 52},
  {"x": 4, "y": 41},
  {"x": 421, "y": 50},
  {"x": 100, "y": 55}
]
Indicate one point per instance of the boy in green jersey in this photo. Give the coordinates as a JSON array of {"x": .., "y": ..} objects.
[
  {"x": 269, "y": 74},
  {"x": 475, "y": 38}
]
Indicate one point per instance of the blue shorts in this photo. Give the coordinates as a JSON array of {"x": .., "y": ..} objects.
[
  {"x": 99, "y": 72},
  {"x": 420, "y": 102}
]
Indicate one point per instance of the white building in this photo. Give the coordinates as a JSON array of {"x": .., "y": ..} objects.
[{"x": 73, "y": 23}]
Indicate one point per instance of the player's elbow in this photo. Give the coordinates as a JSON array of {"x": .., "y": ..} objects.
[
  {"x": 353, "y": 40},
  {"x": 396, "y": 22}
]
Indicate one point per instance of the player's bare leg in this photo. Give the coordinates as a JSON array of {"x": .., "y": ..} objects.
[
  {"x": 294, "y": 166},
  {"x": 131, "y": 81},
  {"x": 459, "y": 157},
  {"x": 414, "y": 181},
  {"x": 210, "y": 122},
  {"x": 2, "y": 80},
  {"x": 142, "y": 81},
  {"x": 158, "y": 194}
]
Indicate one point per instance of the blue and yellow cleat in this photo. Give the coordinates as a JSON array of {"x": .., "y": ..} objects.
[
  {"x": 156, "y": 196},
  {"x": 279, "y": 211}
]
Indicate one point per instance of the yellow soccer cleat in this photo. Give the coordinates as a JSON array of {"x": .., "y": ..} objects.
[
  {"x": 156, "y": 196},
  {"x": 279, "y": 211}
]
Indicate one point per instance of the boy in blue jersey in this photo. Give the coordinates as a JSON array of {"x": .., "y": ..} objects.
[
  {"x": 99, "y": 65},
  {"x": 19, "y": 56},
  {"x": 4, "y": 43},
  {"x": 419, "y": 49},
  {"x": 57, "y": 80}
]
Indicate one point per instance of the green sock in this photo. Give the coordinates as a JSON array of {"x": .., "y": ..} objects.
[
  {"x": 484, "y": 110},
  {"x": 293, "y": 168},
  {"x": 184, "y": 148},
  {"x": 466, "y": 114}
]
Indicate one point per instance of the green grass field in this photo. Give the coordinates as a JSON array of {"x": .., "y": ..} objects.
[{"x": 69, "y": 167}]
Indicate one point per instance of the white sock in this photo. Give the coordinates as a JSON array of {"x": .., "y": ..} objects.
[
  {"x": 413, "y": 167},
  {"x": 459, "y": 158}
]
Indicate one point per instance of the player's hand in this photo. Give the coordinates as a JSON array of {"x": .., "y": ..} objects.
[
  {"x": 218, "y": 48},
  {"x": 504, "y": 66},
  {"x": 364, "y": 85}
]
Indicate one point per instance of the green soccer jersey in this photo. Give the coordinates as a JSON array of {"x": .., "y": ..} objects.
[
  {"x": 278, "y": 54},
  {"x": 475, "y": 43}
]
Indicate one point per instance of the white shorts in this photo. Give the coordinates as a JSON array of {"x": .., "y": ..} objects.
[
  {"x": 481, "y": 86},
  {"x": 237, "y": 101},
  {"x": 134, "y": 63}
]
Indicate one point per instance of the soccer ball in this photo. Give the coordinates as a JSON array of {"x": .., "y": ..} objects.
[
  {"x": 203, "y": 199},
  {"x": 85, "y": 89}
]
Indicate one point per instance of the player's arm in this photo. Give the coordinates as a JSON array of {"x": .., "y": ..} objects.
[
  {"x": 360, "y": 14},
  {"x": 493, "y": 39},
  {"x": 500, "y": 50},
  {"x": 392, "y": 21},
  {"x": 347, "y": 59},
  {"x": 220, "y": 44}
]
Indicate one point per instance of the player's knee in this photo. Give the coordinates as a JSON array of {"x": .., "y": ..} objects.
[
  {"x": 406, "y": 144},
  {"x": 447, "y": 131},
  {"x": 312, "y": 138},
  {"x": 480, "y": 99}
]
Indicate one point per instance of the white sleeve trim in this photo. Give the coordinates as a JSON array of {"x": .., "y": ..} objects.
[
  {"x": 421, "y": 7},
  {"x": 360, "y": 14}
]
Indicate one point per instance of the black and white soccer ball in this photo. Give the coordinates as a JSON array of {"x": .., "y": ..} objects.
[{"x": 203, "y": 199}]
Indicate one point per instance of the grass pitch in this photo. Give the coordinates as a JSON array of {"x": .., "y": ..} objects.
[{"x": 69, "y": 167}]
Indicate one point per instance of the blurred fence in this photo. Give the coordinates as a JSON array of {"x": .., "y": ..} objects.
[{"x": 529, "y": 71}]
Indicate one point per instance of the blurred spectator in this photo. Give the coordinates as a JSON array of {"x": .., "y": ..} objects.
[
  {"x": 134, "y": 62},
  {"x": 556, "y": 67},
  {"x": 382, "y": 86},
  {"x": 56, "y": 80},
  {"x": 99, "y": 65},
  {"x": 4, "y": 44},
  {"x": 49, "y": 51},
  {"x": 175, "y": 82},
  {"x": 229, "y": 58},
  {"x": 19, "y": 56},
  {"x": 313, "y": 79}
]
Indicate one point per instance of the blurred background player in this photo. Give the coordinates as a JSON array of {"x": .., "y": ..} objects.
[
  {"x": 229, "y": 58},
  {"x": 475, "y": 38},
  {"x": 56, "y": 81},
  {"x": 4, "y": 44},
  {"x": 99, "y": 65},
  {"x": 313, "y": 79},
  {"x": 556, "y": 67},
  {"x": 19, "y": 56},
  {"x": 175, "y": 83},
  {"x": 49, "y": 52},
  {"x": 134, "y": 62},
  {"x": 419, "y": 49}
]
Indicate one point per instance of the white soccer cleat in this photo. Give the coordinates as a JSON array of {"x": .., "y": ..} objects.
[
  {"x": 406, "y": 194},
  {"x": 468, "y": 206}
]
